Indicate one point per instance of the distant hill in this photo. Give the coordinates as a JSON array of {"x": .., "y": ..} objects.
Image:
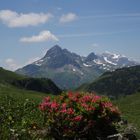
[
  {"x": 24, "y": 82},
  {"x": 120, "y": 82},
  {"x": 69, "y": 70},
  {"x": 7, "y": 76}
]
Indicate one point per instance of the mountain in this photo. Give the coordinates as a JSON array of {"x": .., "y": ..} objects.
[
  {"x": 69, "y": 70},
  {"x": 8, "y": 78},
  {"x": 124, "y": 81}
]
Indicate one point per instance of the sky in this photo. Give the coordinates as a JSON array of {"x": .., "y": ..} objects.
[{"x": 29, "y": 28}]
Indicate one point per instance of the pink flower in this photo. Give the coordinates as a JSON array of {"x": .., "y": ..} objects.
[
  {"x": 86, "y": 98},
  {"x": 74, "y": 112},
  {"x": 46, "y": 104},
  {"x": 75, "y": 99},
  {"x": 42, "y": 107},
  {"x": 54, "y": 105},
  {"x": 115, "y": 110},
  {"x": 47, "y": 99},
  {"x": 78, "y": 118},
  {"x": 84, "y": 105},
  {"x": 70, "y": 94},
  {"x": 107, "y": 104},
  {"x": 90, "y": 108},
  {"x": 95, "y": 98},
  {"x": 63, "y": 111},
  {"x": 64, "y": 105},
  {"x": 70, "y": 111}
]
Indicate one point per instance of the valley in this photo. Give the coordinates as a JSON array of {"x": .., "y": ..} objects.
[{"x": 16, "y": 94}]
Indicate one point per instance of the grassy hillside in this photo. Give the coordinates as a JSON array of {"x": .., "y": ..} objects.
[
  {"x": 123, "y": 81},
  {"x": 8, "y": 90},
  {"x": 7, "y": 76},
  {"x": 130, "y": 108},
  {"x": 35, "y": 84},
  {"x": 18, "y": 110}
]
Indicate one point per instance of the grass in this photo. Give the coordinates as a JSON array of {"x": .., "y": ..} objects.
[
  {"x": 130, "y": 108},
  {"x": 6, "y": 75},
  {"x": 8, "y": 90},
  {"x": 19, "y": 113},
  {"x": 28, "y": 83}
]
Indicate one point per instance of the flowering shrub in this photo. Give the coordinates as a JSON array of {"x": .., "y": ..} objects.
[{"x": 74, "y": 115}]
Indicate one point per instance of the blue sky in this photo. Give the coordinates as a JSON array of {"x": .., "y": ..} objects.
[{"x": 29, "y": 28}]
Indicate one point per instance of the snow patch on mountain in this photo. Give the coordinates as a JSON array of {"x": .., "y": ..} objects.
[
  {"x": 74, "y": 70},
  {"x": 86, "y": 65},
  {"x": 105, "y": 58},
  {"x": 97, "y": 61},
  {"x": 37, "y": 64},
  {"x": 116, "y": 56}
]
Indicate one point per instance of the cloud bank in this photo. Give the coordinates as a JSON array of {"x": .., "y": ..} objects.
[
  {"x": 42, "y": 37},
  {"x": 14, "y": 19},
  {"x": 11, "y": 64}
]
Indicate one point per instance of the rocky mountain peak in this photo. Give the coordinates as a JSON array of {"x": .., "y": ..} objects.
[
  {"x": 65, "y": 68},
  {"x": 92, "y": 56},
  {"x": 54, "y": 51}
]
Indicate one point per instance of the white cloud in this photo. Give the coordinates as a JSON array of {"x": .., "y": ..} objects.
[
  {"x": 14, "y": 19},
  {"x": 68, "y": 18},
  {"x": 43, "y": 36},
  {"x": 11, "y": 64}
]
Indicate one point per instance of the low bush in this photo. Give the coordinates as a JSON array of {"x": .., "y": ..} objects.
[{"x": 77, "y": 115}]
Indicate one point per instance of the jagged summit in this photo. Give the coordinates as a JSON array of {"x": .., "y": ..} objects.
[
  {"x": 55, "y": 47},
  {"x": 56, "y": 57},
  {"x": 92, "y": 56},
  {"x": 55, "y": 50}
]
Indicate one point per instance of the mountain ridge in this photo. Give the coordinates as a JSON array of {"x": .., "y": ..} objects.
[
  {"x": 124, "y": 81},
  {"x": 9, "y": 78},
  {"x": 69, "y": 70}
]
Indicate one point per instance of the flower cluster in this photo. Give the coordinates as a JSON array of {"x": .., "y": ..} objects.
[{"x": 76, "y": 115}]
